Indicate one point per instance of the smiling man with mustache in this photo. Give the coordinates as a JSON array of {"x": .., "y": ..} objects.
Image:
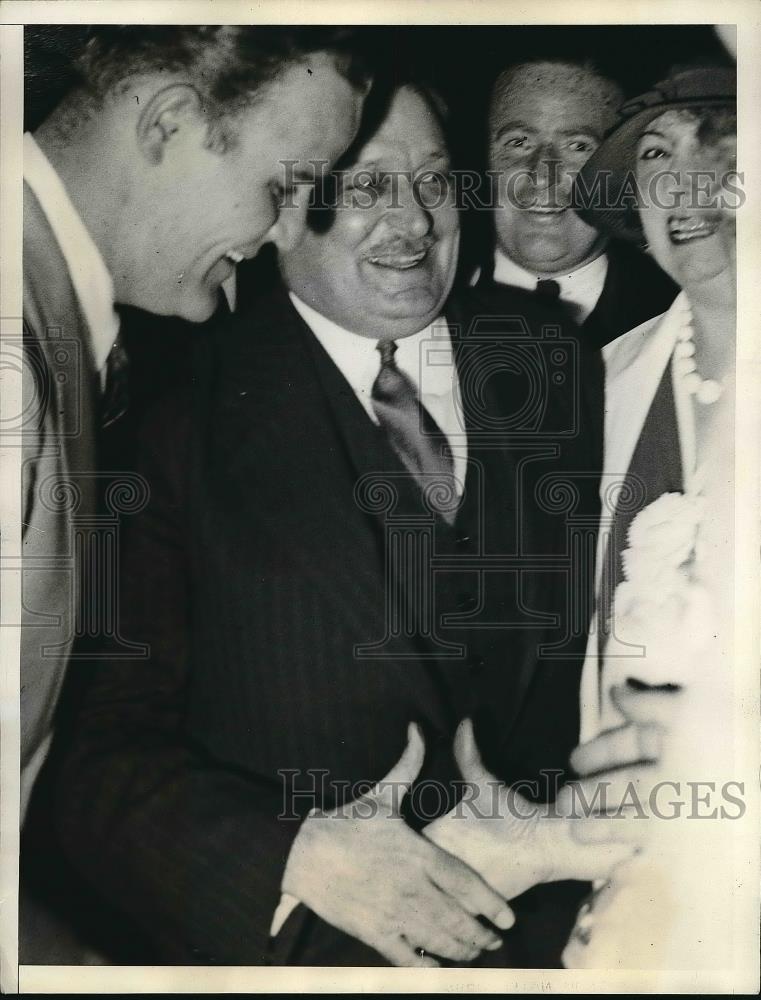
[
  {"x": 384, "y": 272},
  {"x": 307, "y": 655}
]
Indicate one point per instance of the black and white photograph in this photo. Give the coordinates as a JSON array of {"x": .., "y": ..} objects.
[{"x": 380, "y": 445}]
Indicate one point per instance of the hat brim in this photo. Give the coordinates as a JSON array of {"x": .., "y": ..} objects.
[{"x": 611, "y": 206}]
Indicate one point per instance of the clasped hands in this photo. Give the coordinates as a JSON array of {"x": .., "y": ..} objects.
[{"x": 418, "y": 897}]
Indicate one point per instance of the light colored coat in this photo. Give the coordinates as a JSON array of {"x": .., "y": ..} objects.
[
  {"x": 60, "y": 393},
  {"x": 634, "y": 366}
]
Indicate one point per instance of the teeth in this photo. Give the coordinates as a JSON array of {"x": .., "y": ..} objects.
[
  {"x": 682, "y": 230},
  {"x": 400, "y": 263},
  {"x": 235, "y": 256}
]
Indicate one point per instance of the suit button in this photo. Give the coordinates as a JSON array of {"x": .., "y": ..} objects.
[
  {"x": 467, "y": 602},
  {"x": 462, "y": 541},
  {"x": 476, "y": 663}
]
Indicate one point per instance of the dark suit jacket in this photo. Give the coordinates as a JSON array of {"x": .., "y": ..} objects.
[
  {"x": 255, "y": 573},
  {"x": 635, "y": 289}
]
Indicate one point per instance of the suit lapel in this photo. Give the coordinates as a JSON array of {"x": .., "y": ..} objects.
[
  {"x": 272, "y": 425},
  {"x": 57, "y": 336},
  {"x": 62, "y": 335},
  {"x": 635, "y": 364},
  {"x": 364, "y": 444}
]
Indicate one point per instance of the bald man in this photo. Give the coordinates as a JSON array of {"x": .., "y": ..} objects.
[{"x": 546, "y": 118}]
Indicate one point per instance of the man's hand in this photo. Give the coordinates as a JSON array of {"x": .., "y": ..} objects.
[
  {"x": 363, "y": 870},
  {"x": 511, "y": 842}
]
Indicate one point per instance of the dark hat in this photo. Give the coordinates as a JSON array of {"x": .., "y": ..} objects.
[{"x": 612, "y": 207}]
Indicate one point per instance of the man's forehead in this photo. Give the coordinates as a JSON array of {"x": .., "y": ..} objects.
[
  {"x": 532, "y": 89},
  {"x": 410, "y": 128}
]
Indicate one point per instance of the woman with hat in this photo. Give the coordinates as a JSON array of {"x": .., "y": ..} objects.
[{"x": 658, "y": 677}]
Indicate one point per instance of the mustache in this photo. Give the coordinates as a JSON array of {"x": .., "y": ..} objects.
[{"x": 407, "y": 248}]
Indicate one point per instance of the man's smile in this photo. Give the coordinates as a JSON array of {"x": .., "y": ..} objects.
[{"x": 398, "y": 261}]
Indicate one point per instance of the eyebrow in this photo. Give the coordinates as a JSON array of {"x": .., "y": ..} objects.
[
  {"x": 583, "y": 130},
  {"x": 428, "y": 157},
  {"x": 652, "y": 131},
  {"x": 509, "y": 126},
  {"x": 524, "y": 126}
]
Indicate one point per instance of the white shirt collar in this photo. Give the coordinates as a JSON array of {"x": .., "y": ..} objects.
[
  {"x": 579, "y": 290},
  {"x": 88, "y": 272},
  {"x": 426, "y": 356}
]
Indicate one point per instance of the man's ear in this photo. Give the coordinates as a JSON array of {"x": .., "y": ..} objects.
[{"x": 169, "y": 110}]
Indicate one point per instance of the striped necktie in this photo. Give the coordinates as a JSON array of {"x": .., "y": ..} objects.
[{"x": 414, "y": 435}]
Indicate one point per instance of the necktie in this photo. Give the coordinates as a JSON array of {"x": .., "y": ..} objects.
[
  {"x": 546, "y": 288},
  {"x": 414, "y": 434},
  {"x": 116, "y": 393}
]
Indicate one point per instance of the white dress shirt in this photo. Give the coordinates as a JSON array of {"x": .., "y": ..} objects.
[
  {"x": 579, "y": 290},
  {"x": 89, "y": 275},
  {"x": 425, "y": 357}
]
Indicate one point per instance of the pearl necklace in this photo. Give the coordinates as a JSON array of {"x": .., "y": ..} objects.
[{"x": 705, "y": 390}]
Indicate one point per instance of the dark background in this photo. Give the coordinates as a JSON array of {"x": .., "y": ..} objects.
[{"x": 459, "y": 60}]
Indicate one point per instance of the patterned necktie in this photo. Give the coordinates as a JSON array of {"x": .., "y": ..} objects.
[
  {"x": 413, "y": 433},
  {"x": 546, "y": 288},
  {"x": 116, "y": 392}
]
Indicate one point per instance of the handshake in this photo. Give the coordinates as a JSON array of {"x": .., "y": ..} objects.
[{"x": 416, "y": 898}]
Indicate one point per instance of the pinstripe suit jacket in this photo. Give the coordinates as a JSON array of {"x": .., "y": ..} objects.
[{"x": 254, "y": 574}]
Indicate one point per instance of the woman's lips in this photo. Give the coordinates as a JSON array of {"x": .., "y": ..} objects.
[{"x": 684, "y": 228}]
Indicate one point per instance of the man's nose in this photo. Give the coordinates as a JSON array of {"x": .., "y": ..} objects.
[
  {"x": 408, "y": 211},
  {"x": 545, "y": 167},
  {"x": 289, "y": 225}
]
